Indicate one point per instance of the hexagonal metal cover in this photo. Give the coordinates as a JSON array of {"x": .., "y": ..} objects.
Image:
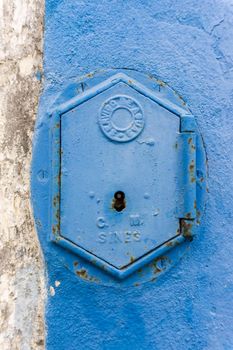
[{"x": 124, "y": 176}]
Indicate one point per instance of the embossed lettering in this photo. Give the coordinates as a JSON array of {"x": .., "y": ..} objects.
[
  {"x": 102, "y": 237},
  {"x": 119, "y": 237},
  {"x": 128, "y": 237},
  {"x": 135, "y": 220},
  {"x": 126, "y": 132},
  {"x": 137, "y": 236},
  {"x": 100, "y": 222}
]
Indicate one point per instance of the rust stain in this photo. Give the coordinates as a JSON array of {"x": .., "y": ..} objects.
[
  {"x": 55, "y": 228},
  {"x": 140, "y": 272},
  {"x": 191, "y": 167},
  {"x": 84, "y": 275},
  {"x": 193, "y": 147},
  {"x": 160, "y": 82},
  {"x": 89, "y": 75},
  {"x": 187, "y": 229},
  {"x": 164, "y": 260},
  {"x": 191, "y": 170},
  {"x": 132, "y": 259},
  {"x": 180, "y": 98},
  {"x": 169, "y": 244},
  {"x": 57, "y": 215},
  {"x": 55, "y": 231},
  {"x": 190, "y": 142},
  {"x": 56, "y": 200},
  {"x": 198, "y": 217},
  {"x": 172, "y": 244},
  {"x": 59, "y": 179}
]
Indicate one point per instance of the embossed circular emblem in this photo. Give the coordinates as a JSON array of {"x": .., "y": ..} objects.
[{"x": 121, "y": 118}]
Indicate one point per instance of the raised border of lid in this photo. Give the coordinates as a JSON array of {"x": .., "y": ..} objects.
[{"x": 187, "y": 223}]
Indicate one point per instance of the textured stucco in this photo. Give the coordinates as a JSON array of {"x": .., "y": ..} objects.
[
  {"x": 187, "y": 44},
  {"x": 21, "y": 267}
]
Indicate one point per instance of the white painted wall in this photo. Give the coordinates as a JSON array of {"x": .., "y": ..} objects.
[{"x": 21, "y": 267}]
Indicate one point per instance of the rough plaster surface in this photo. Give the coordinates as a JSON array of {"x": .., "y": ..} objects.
[
  {"x": 21, "y": 266},
  {"x": 187, "y": 44}
]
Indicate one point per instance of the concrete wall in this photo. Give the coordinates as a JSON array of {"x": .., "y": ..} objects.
[{"x": 21, "y": 267}]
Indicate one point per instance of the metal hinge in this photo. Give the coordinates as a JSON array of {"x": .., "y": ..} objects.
[{"x": 186, "y": 208}]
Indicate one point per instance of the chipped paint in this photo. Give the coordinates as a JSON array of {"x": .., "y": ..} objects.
[
  {"x": 57, "y": 283},
  {"x": 82, "y": 273},
  {"x": 52, "y": 291}
]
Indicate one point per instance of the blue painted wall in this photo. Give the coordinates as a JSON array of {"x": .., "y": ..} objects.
[{"x": 187, "y": 44}]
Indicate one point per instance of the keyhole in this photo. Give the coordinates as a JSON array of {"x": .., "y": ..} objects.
[{"x": 119, "y": 201}]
